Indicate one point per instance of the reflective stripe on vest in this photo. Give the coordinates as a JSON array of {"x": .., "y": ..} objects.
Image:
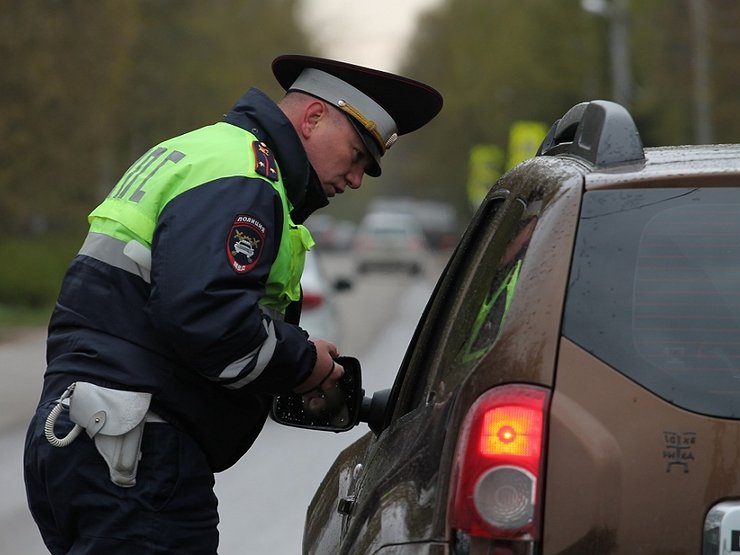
[
  {"x": 129, "y": 256},
  {"x": 263, "y": 353}
]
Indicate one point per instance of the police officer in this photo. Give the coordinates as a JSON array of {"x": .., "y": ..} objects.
[{"x": 177, "y": 322}]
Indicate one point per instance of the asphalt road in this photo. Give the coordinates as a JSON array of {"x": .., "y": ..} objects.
[
  {"x": 21, "y": 368},
  {"x": 263, "y": 498}
]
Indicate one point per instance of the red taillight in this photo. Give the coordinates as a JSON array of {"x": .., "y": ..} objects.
[
  {"x": 496, "y": 482},
  {"x": 511, "y": 430},
  {"x": 312, "y": 300}
]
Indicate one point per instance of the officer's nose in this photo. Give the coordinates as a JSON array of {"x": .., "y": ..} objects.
[{"x": 354, "y": 177}]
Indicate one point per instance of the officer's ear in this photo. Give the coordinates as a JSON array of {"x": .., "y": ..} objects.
[{"x": 313, "y": 113}]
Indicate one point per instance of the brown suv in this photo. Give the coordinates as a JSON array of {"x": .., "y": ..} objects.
[{"x": 573, "y": 385}]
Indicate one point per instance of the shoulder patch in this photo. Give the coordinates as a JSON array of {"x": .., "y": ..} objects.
[
  {"x": 245, "y": 243},
  {"x": 264, "y": 161}
]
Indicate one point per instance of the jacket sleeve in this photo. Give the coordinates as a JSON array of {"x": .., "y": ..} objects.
[{"x": 205, "y": 294}]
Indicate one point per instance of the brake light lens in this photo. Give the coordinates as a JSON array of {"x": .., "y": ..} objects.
[
  {"x": 511, "y": 430},
  {"x": 497, "y": 474}
]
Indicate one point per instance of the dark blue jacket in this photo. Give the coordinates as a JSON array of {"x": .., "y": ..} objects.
[{"x": 170, "y": 334}]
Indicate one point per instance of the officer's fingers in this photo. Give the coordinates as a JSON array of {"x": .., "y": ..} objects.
[
  {"x": 338, "y": 371},
  {"x": 331, "y": 379},
  {"x": 325, "y": 352},
  {"x": 325, "y": 345},
  {"x": 331, "y": 348}
]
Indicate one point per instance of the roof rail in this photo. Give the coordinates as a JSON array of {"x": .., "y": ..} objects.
[{"x": 600, "y": 132}]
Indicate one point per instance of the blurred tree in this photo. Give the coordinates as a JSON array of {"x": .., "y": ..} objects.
[
  {"x": 665, "y": 42},
  {"x": 499, "y": 61},
  {"x": 194, "y": 59},
  {"x": 495, "y": 62},
  {"x": 724, "y": 69},
  {"x": 64, "y": 66},
  {"x": 86, "y": 87},
  {"x": 662, "y": 60}
]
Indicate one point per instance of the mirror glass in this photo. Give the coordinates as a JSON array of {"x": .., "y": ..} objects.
[{"x": 291, "y": 409}]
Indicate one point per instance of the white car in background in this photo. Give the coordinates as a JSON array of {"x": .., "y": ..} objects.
[
  {"x": 319, "y": 315},
  {"x": 390, "y": 240}
]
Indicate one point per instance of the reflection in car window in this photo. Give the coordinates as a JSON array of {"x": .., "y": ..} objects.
[
  {"x": 496, "y": 304},
  {"x": 482, "y": 291},
  {"x": 490, "y": 316},
  {"x": 655, "y": 292},
  {"x": 447, "y": 320}
]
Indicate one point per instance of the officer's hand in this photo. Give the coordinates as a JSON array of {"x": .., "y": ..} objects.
[
  {"x": 321, "y": 396},
  {"x": 325, "y": 372}
]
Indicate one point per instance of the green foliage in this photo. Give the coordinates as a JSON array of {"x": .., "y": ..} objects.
[
  {"x": 495, "y": 62},
  {"x": 664, "y": 43},
  {"x": 498, "y": 61},
  {"x": 32, "y": 270},
  {"x": 87, "y": 87},
  {"x": 64, "y": 66}
]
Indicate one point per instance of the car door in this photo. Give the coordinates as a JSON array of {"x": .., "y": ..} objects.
[{"x": 388, "y": 490}]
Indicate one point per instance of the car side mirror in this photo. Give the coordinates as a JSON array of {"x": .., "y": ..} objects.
[{"x": 288, "y": 409}]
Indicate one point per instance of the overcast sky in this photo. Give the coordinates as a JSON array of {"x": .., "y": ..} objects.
[{"x": 366, "y": 32}]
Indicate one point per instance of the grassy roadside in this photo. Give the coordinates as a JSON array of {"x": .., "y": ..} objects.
[
  {"x": 17, "y": 321},
  {"x": 31, "y": 271}
]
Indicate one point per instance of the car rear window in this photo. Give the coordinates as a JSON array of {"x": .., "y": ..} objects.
[{"x": 654, "y": 292}]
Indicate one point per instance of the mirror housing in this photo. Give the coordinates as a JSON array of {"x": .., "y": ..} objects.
[
  {"x": 288, "y": 409},
  {"x": 373, "y": 410}
]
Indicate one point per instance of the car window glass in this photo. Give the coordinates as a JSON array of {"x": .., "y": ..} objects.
[
  {"x": 655, "y": 292},
  {"x": 493, "y": 309},
  {"x": 474, "y": 297}
]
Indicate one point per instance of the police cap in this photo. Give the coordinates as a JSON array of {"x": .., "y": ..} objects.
[{"x": 381, "y": 106}]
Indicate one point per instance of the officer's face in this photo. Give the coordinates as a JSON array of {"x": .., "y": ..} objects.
[{"x": 337, "y": 153}]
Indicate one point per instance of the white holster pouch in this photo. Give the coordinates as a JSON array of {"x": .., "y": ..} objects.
[{"x": 114, "y": 419}]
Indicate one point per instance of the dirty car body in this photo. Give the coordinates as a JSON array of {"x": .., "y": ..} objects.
[{"x": 572, "y": 386}]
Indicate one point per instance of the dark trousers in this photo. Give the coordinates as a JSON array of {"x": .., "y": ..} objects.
[{"x": 171, "y": 509}]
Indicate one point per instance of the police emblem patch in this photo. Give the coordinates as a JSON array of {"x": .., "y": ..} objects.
[
  {"x": 245, "y": 243},
  {"x": 264, "y": 161}
]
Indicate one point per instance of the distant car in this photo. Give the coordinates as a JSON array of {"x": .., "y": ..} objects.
[
  {"x": 438, "y": 220},
  {"x": 331, "y": 234},
  {"x": 390, "y": 241},
  {"x": 573, "y": 386},
  {"x": 319, "y": 315}
]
